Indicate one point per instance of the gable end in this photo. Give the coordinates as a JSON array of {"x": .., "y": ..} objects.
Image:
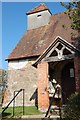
[{"x": 58, "y": 50}]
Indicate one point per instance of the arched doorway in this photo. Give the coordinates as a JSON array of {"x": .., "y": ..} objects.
[{"x": 68, "y": 81}]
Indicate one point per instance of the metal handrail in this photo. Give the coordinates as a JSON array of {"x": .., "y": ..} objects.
[
  {"x": 14, "y": 102},
  {"x": 11, "y": 101},
  {"x": 51, "y": 104}
]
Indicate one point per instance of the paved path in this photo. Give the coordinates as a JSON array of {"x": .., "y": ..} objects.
[{"x": 39, "y": 116}]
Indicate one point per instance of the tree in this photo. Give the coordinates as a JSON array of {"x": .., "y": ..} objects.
[
  {"x": 3, "y": 83},
  {"x": 73, "y": 11},
  {"x": 72, "y": 109}
]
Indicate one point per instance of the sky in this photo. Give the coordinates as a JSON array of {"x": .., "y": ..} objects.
[{"x": 14, "y": 24}]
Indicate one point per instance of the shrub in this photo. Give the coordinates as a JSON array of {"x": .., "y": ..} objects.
[{"x": 72, "y": 109}]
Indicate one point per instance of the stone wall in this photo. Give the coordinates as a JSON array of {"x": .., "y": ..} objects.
[{"x": 24, "y": 78}]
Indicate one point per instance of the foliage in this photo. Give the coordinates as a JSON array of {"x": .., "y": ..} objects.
[
  {"x": 72, "y": 109},
  {"x": 3, "y": 83},
  {"x": 73, "y": 11},
  {"x": 28, "y": 110}
]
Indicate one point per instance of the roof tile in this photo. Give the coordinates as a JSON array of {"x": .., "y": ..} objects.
[{"x": 35, "y": 41}]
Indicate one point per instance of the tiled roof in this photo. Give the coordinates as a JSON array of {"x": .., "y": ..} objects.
[
  {"x": 35, "y": 41},
  {"x": 39, "y": 8}
]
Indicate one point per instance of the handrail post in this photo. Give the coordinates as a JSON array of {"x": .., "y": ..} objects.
[
  {"x": 23, "y": 101},
  {"x": 13, "y": 104},
  {"x": 11, "y": 101}
]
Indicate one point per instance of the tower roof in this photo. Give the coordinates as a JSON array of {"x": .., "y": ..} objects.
[{"x": 39, "y": 8}]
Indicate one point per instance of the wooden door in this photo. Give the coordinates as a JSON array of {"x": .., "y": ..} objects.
[{"x": 68, "y": 81}]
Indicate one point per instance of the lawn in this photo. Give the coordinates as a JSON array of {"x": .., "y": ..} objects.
[{"x": 28, "y": 110}]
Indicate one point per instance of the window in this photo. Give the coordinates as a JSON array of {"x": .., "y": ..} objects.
[{"x": 39, "y": 15}]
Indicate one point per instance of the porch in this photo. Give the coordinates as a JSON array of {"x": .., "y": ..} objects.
[{"x": 60, "y": 61}]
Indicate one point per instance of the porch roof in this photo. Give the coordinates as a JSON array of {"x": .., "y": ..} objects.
[{"x": 58, "y": 39}]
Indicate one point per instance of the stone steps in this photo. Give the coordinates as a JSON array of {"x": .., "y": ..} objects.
[
  {"x": 35, "y": 117},
  {"x": 31, "y": 119}
]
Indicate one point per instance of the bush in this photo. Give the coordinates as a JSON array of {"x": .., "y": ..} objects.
[{"x": 72, "y": 109}]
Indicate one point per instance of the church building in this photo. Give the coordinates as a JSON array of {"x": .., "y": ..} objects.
[{"x": 49, "y": 50}]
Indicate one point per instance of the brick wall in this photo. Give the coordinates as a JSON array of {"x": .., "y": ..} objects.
[
  {"x": 43, "y": 97},
  {"x": 77, "y": 72}
]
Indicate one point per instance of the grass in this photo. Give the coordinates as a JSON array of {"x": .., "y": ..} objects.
[{"x": 28, "y": 110}]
